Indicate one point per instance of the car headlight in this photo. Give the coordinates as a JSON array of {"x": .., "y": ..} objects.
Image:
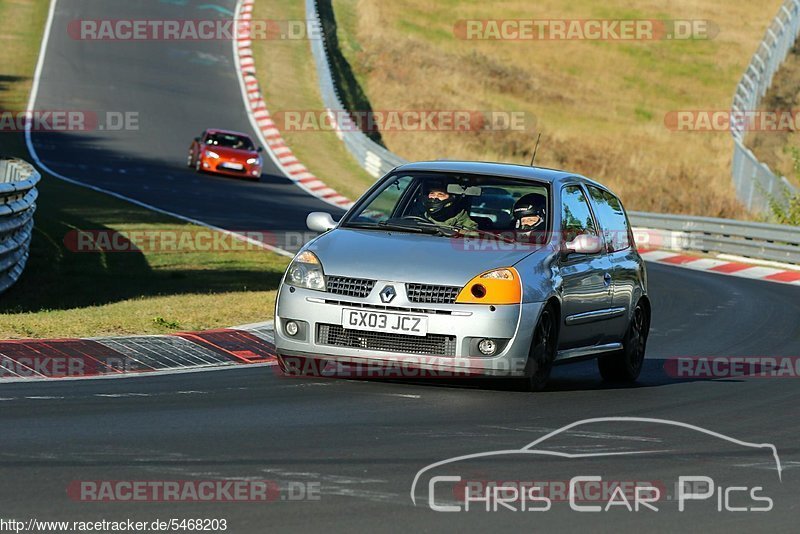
[
  {"x": 306, "y": 271},
  {"x": 252, "y": 161},
  {"x": 212, "y": 155},
  {"x": 499, "y": 286}
]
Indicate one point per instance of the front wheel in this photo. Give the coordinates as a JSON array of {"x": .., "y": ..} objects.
[
  {"x": 626, "y": 365},
  {"x": 543, "y": 351}
]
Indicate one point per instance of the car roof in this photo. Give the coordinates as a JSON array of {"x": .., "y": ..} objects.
[
  {"x": 228, "y": 132},
  {"x": 506, "y": 170}
]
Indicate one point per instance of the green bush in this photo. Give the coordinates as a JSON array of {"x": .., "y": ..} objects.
[{"x": 786, "y": 207}]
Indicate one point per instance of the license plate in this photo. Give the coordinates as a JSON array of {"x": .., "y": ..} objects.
[
  {"x": 233, "y": 166},
  {"x": 392, "y": 323}
]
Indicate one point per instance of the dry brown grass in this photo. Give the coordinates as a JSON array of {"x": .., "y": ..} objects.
[
  {"x": 288, "y": 79},
  {"x": 19, "y": 42},
  {"x": 599, "y": 105},
  {"x": 773, "y": 148}
]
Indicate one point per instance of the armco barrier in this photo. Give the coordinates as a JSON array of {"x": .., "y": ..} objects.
[
  {"x": 18, "y": 196},
  {"x": 675, "y": 232},
  {"x": 375, "y": 159},
  {"x": 755, "y": 183},
  {"x": 773, "y": 242}
]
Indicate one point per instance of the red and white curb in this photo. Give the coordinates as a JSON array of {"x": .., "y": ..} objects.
[
  {"x": 721, "y": 266},
  {"x": 262, "y": 121},
  {"x": 123, "y": 357}
]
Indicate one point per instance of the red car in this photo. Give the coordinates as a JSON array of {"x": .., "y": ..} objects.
[{"x": 227, "y": 153}]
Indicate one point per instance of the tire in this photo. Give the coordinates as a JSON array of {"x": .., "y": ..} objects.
[
  {"x": 543, "y": 350},
  {"x": 190, "y": 160},
  {"x": 625, "y": 365},
  {"x": 198, "y": 166}
]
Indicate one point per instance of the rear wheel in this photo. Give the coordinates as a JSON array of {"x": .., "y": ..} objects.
[
  {"x": 626, "y": 365},
  {"x": 543, "y": 350},
  {"x": 190, "y": 159}
]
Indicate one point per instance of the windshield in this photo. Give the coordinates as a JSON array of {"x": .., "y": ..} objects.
[
  {"x": 229, "y": 141},
  {"x": 457, "y": 205}
]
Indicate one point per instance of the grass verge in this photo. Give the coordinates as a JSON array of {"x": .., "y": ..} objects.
[
  {"x": 288, "y": 79},
  {"x": 63, "y": 293}
]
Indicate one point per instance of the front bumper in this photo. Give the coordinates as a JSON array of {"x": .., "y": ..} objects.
[
  {"x": 463, "y": 325},
  {"x": 217, "y": 166}
]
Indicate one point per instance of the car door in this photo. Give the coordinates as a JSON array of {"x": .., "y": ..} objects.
[
  {"x": 586, "y": 279},
  {"x": 625, "y": 273}
]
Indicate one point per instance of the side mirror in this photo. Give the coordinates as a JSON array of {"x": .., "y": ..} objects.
[
  {"x": 584, "y": 244},
  {"x": 320, "y": 221},
  {"x": 197, "y": 139},
  {"x": 261, "y": 149}
]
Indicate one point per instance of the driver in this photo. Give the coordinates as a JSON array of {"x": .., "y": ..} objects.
[
  {"x": 530, "y": 214},
  {"x": 446, "y": 209}
]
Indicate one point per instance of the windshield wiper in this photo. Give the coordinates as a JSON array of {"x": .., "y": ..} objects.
[
  {"x": 384, "y": 225},
  {"x": 462, "y": 230},
  {"x": 440, "y": 228},
  {"x": 407, "y": 227}
]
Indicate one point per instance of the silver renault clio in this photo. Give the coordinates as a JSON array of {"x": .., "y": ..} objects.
[{"x": 471, "y": 268}]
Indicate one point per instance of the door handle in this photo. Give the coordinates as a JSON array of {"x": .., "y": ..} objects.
[{"x": 607, "y": 278}]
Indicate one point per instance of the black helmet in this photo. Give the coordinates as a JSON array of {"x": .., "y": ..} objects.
[
  {"x": 441, "y": 209},
  {"x": 531, "y": 205}
]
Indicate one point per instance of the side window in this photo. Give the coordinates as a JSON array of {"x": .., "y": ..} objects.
[
  {"x": 611, "y": 218},
  {"x": 576, "y": 215}
]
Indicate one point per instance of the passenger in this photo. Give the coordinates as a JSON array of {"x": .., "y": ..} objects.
[{"x": 530, "y": 218}]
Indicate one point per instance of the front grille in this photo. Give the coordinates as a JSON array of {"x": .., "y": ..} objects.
[
  {"x": 350, "y": 287},
  {"x": 431, "y": 294},
  {"x": 430, "y": 345}
]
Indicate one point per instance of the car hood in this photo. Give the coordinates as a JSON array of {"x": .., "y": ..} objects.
[{"x": 403, "y": 257}]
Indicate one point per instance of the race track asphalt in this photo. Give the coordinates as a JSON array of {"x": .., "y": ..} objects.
[
  {"x": 177, "y": 89},
  {"x": 359, "y": 443}
]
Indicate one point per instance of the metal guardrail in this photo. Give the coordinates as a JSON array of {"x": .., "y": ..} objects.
[
  {"x": 773, "y": 242},
  {"x": 18, "y": 196},
  {"x": 374, "y": 158},
  {"x": 675, "y": 232},
  {"x": 755, "y": 183}
]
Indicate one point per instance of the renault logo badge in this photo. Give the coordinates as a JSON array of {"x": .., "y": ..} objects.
[{"x": 388, "y": 294}]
